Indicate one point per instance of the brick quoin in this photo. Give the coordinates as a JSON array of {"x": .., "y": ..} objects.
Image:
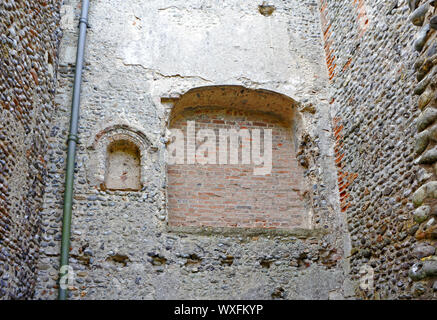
[
  {"x": 231, "y": 195},
  {"x": 362, "y": 18},
  {"x": 326, "y": 29},
  {"x": 362, "y": 24},
  {"x": 345, "y": 179}
]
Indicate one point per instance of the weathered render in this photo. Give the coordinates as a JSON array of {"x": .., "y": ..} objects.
[
  {"x": 138, "y": 67},
  {"x": 347, "y": 87}
]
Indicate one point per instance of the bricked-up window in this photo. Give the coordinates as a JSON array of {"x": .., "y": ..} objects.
[
  {"x": 123, "y": 170},
  {"x": 231, "y": 195}
]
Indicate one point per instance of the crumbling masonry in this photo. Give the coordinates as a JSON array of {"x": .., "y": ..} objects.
[{"x": 348, "y": 89}]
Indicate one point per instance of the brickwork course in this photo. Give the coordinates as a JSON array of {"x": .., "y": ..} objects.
[
  {"x": 348, "y": 89},
  {"x": 231, "y": 195}
]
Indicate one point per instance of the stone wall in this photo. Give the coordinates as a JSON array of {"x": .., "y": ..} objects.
[
  {"x": 29, "y": 36},
  {"x": 362, "y": 74},
  {"x": 140, "y": 58},
  {"x": 371, "y": 50},
  {"x": 423, "y": 227}
]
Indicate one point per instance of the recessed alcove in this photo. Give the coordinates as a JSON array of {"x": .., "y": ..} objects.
[
  {"x": 123, "y": 166},
  {"x": 121, "y": 158},
  {"x": 229, "y": 194}
]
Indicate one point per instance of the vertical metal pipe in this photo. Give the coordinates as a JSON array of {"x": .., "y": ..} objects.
[{"x": 71, "y": 153}]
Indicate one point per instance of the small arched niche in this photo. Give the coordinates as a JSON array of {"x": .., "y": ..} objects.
[
  {"x": 121, "y": 158},
  {"x": 123, "y": 166}
]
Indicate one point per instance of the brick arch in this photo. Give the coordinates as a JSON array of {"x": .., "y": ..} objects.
[
  {"x": 216, "y": 195},
  {"x": 238, "y": 98}
]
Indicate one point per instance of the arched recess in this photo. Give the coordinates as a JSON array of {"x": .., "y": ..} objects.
[
  {"x": 214, "y": 195},
  {"x": 117, "y": 146},
  {"x": 238, "y": 98},
  {"x": 123, "y": 168}
]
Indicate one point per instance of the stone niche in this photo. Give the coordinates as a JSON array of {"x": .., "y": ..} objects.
[
  {"x": 123, "y": 166},
  {"x": 120, "y": 158}
]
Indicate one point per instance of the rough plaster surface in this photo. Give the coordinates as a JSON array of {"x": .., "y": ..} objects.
[
  {"x": 357, "y": 79},
  {"x": 139, "y": 53}
]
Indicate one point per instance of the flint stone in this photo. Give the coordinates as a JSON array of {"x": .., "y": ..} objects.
[
  {"x": 433, "y": 22},
  {"x": 421, "y": 38},
  {"x": 423, "y": 270},
  {"x": 423, "y": 250},
  {"x": 417, "y": 17},
  {"x": 421, "y": 214}
]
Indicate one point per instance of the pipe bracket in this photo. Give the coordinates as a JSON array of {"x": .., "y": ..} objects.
[
  {"x": 73, "y": 137},
  {"x": 83, "y": 20}
]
